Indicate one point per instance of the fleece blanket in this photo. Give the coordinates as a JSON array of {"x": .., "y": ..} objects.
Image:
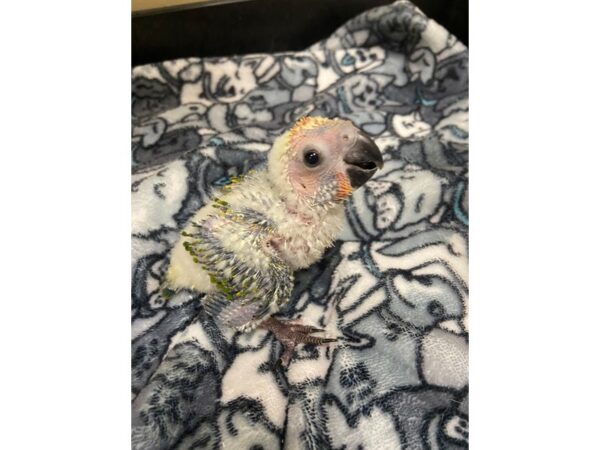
[{"x": 394, "y": 286}]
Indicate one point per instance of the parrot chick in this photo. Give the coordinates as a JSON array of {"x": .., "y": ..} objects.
[{"x": 242, "y": 249}]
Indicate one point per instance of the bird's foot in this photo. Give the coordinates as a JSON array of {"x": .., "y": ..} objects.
[{"x": 291, "y": 333}]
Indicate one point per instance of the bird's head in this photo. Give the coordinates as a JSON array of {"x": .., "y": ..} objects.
[{"x": 321, "y": 161}]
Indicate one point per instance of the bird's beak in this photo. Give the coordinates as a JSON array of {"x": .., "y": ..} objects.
[{"x": 363, "y": 159}]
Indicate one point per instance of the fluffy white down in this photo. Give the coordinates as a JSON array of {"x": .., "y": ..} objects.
[{"x": 302, "y": 233}]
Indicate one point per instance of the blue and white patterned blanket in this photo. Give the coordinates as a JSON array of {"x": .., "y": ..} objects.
[{"x": 394, "y": 286}]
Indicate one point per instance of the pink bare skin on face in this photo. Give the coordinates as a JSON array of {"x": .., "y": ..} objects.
[{"x": 317, "y": 170}]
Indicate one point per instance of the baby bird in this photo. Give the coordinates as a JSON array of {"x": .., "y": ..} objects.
[{"x": 242, "y": 249}]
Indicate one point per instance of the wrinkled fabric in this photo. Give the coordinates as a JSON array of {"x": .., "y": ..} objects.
[{"x": 393, "y": 289}]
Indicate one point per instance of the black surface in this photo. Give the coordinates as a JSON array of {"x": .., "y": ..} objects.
[{"x": 263, "y": 26}]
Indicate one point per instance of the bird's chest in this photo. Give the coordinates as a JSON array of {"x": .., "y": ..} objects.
[
  {"x": 299, "y": 243},
  {"x": 294, "y": 251}
]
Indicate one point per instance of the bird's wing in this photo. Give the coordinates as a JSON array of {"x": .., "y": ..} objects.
[{"x": 247, "y": 292}]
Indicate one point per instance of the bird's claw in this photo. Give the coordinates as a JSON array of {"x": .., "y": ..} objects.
[
  {"x": 292, "y": 333},
  {"x": 304, "y": 328}
]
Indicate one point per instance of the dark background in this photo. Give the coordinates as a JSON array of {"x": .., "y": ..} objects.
[{"x": 259, "y": 26}]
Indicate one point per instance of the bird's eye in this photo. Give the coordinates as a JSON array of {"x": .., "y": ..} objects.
[{"x": 311, "y": 158}]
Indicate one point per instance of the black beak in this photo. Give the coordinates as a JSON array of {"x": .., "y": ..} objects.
[{"x": 364, "y": 158}]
